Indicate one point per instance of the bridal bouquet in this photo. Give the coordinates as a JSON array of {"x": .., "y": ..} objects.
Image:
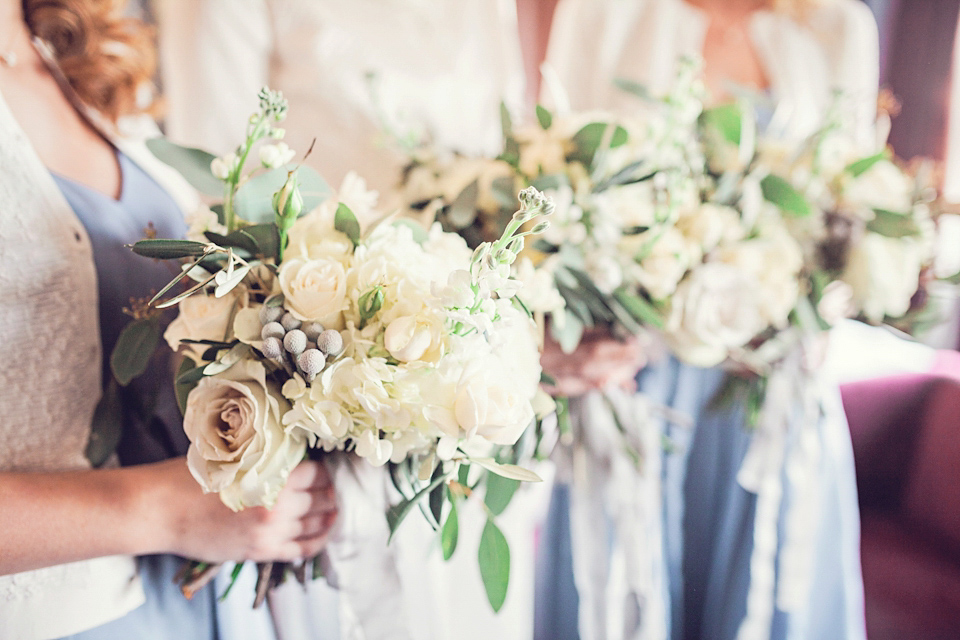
[{"x": 339, "y": 330}]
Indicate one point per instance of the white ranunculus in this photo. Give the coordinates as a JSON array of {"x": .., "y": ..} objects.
[
  {"x": 882, "y": 186},
  {"x": 203, "y": 317},
  {"x": 884, "y": 274},
  {"x": 238, "y": 446},
  {"x": 276, "y": 155},
  {"x": 715, "y": 309},
  {"x": 315, "y": 290}
]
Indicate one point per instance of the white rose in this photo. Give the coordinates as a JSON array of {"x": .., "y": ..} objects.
[
  {"x": 238, "y": 447},
  {"x": 202, "y": 317},
  {"x": 884, "y": 274},
  {"x": 715, "y": 309},
  {"x": 315, "y": 290},
  {"x": 419, "y": 337},
  {"x": 313, "y": 236},
  {"x": 487, "y": 405},
  {"x": 882, "y": 186},
  {"x": 276, "y": 155}
]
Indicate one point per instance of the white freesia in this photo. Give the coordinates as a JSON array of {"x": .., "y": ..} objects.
[
  {"x": 884, "y": 274},
  {"x": 714, "y": 310},
  {"x": 238, "y": 446},
  {"x": 203, "y": 317},
  {"x": 315, "y": 290}
]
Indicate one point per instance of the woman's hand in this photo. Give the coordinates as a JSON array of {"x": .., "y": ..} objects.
[
  {"x": 200, "y": 526},
  {"x": 599, "y": 361}
]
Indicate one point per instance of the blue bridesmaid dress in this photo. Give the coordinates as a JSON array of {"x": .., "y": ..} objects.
[
  {"x": 152, "y": 421},
  {"x": 708, "y": 526}
]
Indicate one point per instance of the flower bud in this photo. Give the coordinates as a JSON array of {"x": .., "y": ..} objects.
[
  {"x": 370, "y": 303},
  {"x": 290, "y": 322},
  {"x": 540, "y": 228},
  {"x": 272, "y": 348},
  {"x": 312, "y": 329},
  {"x": 272, "y": 330},
  {"x": 273, "y": 156},
  {"x": 311, "y": 362},
  {"x": 224, "y": 166},
  {"x": 288, "y": 202},
  {"x": 270, "y": 314},
  {"x": 295, "y": 342},
  {"x": 330, "y": 342}
]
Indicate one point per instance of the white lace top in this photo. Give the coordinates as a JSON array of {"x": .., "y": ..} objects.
[{"x": 50, "y": 377}]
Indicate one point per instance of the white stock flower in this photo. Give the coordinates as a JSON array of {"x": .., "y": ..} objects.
[
  {"x": 202, "y": 317},
  {"x": 223, "y": 166},
  {"x": 539, "y": 292},
  {"x": 273, "y": 156},
  {"x": 884, "y": 274},
  {"x": 715, "y": 309},
  {"x": 238, "y": 447},
  {"x": 315, "y": 290}
]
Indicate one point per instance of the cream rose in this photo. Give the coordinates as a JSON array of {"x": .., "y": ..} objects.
[
  {"x": 315, "y": 290},
  {"x": 238, "y": 447},
  {"x": 202, "y": 317},
  {"x": 419, "y": 337},
  {"x": 715, "y": 309}
]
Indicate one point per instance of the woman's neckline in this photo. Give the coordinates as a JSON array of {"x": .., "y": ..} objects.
[{"x": 120, "y": 198}]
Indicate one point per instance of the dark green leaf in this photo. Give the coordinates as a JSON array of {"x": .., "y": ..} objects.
[
  {"x": 346, "y": 223},
  {"x": 107, "y": 426},
  {"x": 264, "y": 237},
  {"x": 191, "y": 376},
  {"x": 892, "y": 224},
  {"x": 781, "y": 193},
  {"x": 504, "y": 190},
  {"x": 450, "y": 532},
  {"x": 463, "y": 211},
  {"x": 134, "y": 348},
  {"x": 233, "y": 578},
  {"x": 254, "y": 199},
  {"x": 544, "y": 117},
  {"x": 587, "y": 141},
  {"x": 183, "y": 384},
  {"x": 727, "y": 119},
  {"x": 642, "y": 311},
  {"x": 398, "y": 512},
  {"x": 506, "y": 122},
  {"x": 463, "y": 475},
  {"x": 437, "y": 495},
  {"x": 192, "y": 164},
  {"x": 168, "y": 249},
  {"x": 494, "y": 557},
  {"x": 858, "y": 168},
  {"x": 500, "y": 491},
  {"x": 236, "y": 240},
  {"x": 627, "y": 175}
]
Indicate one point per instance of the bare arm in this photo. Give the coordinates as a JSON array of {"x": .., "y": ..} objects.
[{"x": 55, "y": 518}]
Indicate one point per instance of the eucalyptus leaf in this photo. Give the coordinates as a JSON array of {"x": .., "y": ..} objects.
[
  {"x": 192, "y": 164},
  {"x": 510, "y": 471},
  {"x": 346, "y": 223},
  {"x": 858, "y": 168},
  {"x": 546, "y": 183},
  {"x": 450, "y": 532},
  {"x": 254, "y": 199},
  {"x": 184, "y": 384},
  {"x": 892, "y": 224},
  {"x": 781, "y": 193},
  {"x": 162, "y": 249},
  {"x": 504, "y": 190},
  {"x": 463, "y": 211},
  {"x": 107, "y": 426},
  {"x": 506, "y": 122},
  {"x": 568, "y": 336},
  {"x": 134, "y": 348},
  {"x": 544, "y": 117},
  {"x": 499, "y": 492},
  {"x": 494, "y": 558}
]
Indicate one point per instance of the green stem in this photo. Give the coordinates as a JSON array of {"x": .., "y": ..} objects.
[{"x": 229, "y": 218}]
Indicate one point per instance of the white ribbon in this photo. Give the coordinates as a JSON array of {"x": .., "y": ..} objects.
[{"x": 616, "y": 518}]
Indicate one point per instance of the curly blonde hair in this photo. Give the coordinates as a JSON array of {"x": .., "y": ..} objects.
[{"x": 105, "y": 56}]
